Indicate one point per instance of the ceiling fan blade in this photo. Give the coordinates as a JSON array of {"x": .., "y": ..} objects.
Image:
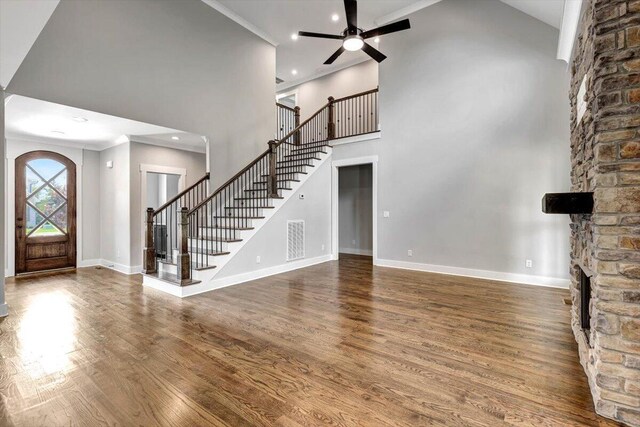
[
  {"x": 373, "y": 52},
  {"x": 387, "y": 29},
  {"x": 319, "y": 35},
  {"x": 334, "y": 56},
  {"x": 351, "y": 9}
]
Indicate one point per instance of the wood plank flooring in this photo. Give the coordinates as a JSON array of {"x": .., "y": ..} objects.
[{"x": 341, "y": 344}]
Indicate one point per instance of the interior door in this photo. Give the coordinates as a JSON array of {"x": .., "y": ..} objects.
[{"x": 45, "y": 212}]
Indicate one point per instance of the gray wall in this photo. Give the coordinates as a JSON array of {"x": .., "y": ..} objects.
[
  {"x": 179, "y": 64},
  {"x": 115, "y": 203},
  {"x": 3, "y": 307},
  {"x": 313, "y": 95},
  {"x": 270, "y": 243},
  {"x": 355, "y": 209},
  {"x": 194, "y": 163},
  {"x": 91, "y": 205},
  {"x": 475, "y": 125}
]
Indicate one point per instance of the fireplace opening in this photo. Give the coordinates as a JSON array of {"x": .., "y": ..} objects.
[{"x": 585, "y": 300}]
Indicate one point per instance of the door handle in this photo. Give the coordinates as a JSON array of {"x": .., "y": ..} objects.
[{"x": 18, "y": 226}]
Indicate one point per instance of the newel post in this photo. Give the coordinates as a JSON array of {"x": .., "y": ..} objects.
[
  {"x": 149, "y": 252},
  {"x": 272, "y": 179},
  {"x": 331, "y": 125},
  {"x": 184, "y": 260},
  {"x": 296, "y": 115}
]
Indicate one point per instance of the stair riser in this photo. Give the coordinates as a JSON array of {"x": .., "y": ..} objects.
[
  {"x": 256, "y": 203},
  {"x": 198, "y": 246},
  {"x": 213, "y": 233}
]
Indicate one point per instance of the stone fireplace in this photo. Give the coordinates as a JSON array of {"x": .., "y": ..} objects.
[{"x": 605, "y": 153}]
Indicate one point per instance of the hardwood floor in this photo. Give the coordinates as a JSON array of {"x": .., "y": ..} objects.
[{"x": 340, "y": 343}]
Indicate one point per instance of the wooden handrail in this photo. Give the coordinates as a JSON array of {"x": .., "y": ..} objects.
[
  {"x": 182, "y": 193},
  {"x": 285, "y": 107},
  {"x": 229, "y": 181},
  {"x": 366, "y": 92},
  {"x": 290, "y": 134},
  {"x": 274, "y": 144}
]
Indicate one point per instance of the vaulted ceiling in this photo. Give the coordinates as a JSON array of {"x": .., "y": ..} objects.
[
  {"x": 277, "y": 20},
  {"x": 22, "y": 20}
]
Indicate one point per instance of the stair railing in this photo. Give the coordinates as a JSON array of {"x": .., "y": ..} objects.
[
  {"x": 287, "y": 119},
  {"x": 163, "y": 227},
  {"x": 217, "y": 220}
]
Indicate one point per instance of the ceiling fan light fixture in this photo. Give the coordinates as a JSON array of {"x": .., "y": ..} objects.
[{"x": 353, "y": 43}]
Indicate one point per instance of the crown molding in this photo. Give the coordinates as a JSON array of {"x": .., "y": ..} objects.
[
  {"x": 141, "y": 139},
  {"x": 408, "y": 10},
  {"x": 288, "y": 85},
  {"x": 215, "y": 4},
  {"x": 55, "y": 142}
]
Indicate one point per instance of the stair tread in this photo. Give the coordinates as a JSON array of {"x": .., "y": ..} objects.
[
  {"x": 280, "y": 180},
  {"x": 305, "y": 154},
  {"x": 249, "y": 207},
  {"x": 257, "y": 198},
  {"x": 300, "y": 165},
  {"x": 238, "y": 217},
  {"x": 226, "y": 228},
  {"x": 193, "y": 265},
  {"x": 217, "y": 239},
  {"x": 286, "y": 173},
  {"x": 298, "y": 160},
  {"x": 171, "y": 278},
  {"x": 264, "y": 189}
]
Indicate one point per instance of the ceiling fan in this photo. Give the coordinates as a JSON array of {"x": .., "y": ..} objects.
[{"x": 353, "y": 38}]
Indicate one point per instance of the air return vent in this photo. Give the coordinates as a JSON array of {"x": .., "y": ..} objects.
[{"x": 295, "y": 240}]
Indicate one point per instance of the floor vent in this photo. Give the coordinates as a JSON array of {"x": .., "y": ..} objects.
[{"x": 295, "y": 240}]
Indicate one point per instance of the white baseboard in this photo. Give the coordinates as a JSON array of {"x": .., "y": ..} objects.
[
  {"x": 88, "y": 263},
  {"x": 4, "y": 310},
  {"x": 525, "y": 279},
  {"x": 356, "y": 251},
  {"x": 187, "y": 291},
  {"x": 126, "y": 269}
]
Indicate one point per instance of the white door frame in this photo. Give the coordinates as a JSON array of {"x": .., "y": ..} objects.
[
  {"x": 335, "y": 226},
  {"x": 146, "y": 168}
]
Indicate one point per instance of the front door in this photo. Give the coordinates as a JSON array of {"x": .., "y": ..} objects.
[{"x": 45, "y": 212}]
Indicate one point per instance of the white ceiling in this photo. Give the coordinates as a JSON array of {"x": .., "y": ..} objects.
[
  {"x": 278, "y": 19},
  {"x": 281, "y": 18},
  {"x": 32, "y": 119},
  {"x": 20, "y": 24},
  {"x": 547, "y": 11}
]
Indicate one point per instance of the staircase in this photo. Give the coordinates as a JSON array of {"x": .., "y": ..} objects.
[{"x": 195, "y": 234}]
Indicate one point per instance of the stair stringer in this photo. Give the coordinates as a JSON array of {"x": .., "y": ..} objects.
[{"x": 207, "y": 278}]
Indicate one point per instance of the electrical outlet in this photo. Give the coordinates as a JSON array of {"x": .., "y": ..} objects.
[
  {"x": 353, "y": 242},
  {"x": 258, "y": 259},
  {"x": 323, "y": 247},
  {"x": 410, "y": 252},
  {"x": 385, "y": 214},
  {"x": 528, "y": 263}
]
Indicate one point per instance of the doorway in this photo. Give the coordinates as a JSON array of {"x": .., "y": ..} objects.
[
  {"x": 161, "y": 187},
  {"x": 45, "y": 221},
  {"x": 354, "y": 207}
]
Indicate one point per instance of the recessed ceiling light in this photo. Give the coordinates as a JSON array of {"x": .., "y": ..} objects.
[
  {"x": 294, "y": 71},
  {"x": 57, "y": 131},
  {"x": 377, "y": 40},
  {"x": 79, "y": 119},
  {"x": 294, "y": 36},
  {"x": 175, "y": 138},
  {"x": 335, "y": 17}
]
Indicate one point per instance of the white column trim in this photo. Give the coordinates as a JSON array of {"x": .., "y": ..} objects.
[{"x": 568, "y": 29}]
